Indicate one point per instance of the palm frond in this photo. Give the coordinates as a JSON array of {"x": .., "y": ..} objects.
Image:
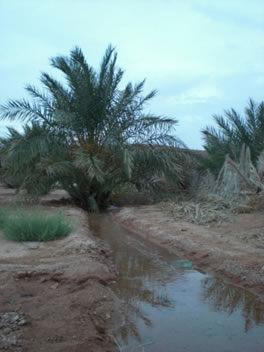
[
  {"x": 104, "y": 68},
  {"x": 128, "y": 162},
  {"x": 88, "y": 134},
  {"x": 93, "y": 166},
  {"x": 233, "y": 132},
  {"x": 24, "y": 111}
]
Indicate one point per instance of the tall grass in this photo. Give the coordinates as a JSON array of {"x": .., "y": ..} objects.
[{"x": 22, "y": 225}]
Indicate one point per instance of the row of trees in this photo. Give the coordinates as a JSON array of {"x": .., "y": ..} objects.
[{"x": 90, "y": 137}]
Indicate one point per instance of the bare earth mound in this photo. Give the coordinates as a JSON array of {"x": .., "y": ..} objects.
[
  {"x": 54, "y": 296},
  {"x": 233, "y": 251}
]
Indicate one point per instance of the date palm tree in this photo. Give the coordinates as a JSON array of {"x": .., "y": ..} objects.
[
  {"x": 232, "y": 132},
  {"x": 88, "y": 135}
]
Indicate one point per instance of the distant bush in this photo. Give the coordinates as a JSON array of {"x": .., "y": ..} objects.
[{"x": 33, "y": 226}]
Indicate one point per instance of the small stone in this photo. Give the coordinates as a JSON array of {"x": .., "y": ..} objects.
[
  {"x": 31, "y": 245},
  {"x": 11, "y": 301},
  {"x": 22, "y": 322},
  {"x": 262, "y": 268},
  {"x": 100, "y": 329},
  {"x": 7, "y": 330},
  {"x": 12, "y": 340},
  {"x": 15, "y": 318}
]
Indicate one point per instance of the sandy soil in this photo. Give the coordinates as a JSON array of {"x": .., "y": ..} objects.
[
  {"x": 55, "y": 296},
  {"x": 233, "y": 251}
]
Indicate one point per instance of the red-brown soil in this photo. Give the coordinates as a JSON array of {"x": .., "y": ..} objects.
[{"x": 54, "y": 296}]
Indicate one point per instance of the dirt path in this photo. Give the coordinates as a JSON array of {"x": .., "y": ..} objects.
[
  {"x": 55, "y": 296},
  {"x": 233, "y": 251}
]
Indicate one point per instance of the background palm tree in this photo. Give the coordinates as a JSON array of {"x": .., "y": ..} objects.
[
  {"x": 232, "y": 133},
  {"x": 87, "y": 135}
]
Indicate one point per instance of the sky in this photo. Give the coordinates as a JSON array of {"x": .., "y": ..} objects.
[{"x": 203, "y": 56}]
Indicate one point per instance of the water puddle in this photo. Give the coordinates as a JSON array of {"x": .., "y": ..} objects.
[{"x": 170, "y": 307}]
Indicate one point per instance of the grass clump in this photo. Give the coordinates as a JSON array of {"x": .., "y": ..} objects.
[{"x": 35, "y": 226}]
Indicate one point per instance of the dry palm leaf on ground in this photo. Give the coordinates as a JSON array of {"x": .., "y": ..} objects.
[
  {"x": 239, "y": 188},
  {"x": 198, "y": 213}
]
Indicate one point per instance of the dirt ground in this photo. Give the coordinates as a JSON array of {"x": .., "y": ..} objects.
[
  {"x": 233, "y": 250},
  {"x": 54, "y": 296}
]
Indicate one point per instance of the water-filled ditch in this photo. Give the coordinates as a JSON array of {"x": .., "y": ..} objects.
[{"x": 170, "y": 307}]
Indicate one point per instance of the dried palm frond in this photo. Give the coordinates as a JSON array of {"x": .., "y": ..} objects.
[
  {"x": 198, "y": 213},
  {"x": 237, "y": 189}
]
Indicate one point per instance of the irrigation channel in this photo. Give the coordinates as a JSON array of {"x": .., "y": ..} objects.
[{"x": 170, "y": 307}]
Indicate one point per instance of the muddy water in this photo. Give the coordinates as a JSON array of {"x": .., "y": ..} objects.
[{"x": 170, "y": 307}]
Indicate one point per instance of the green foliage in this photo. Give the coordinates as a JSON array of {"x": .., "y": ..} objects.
[
  {"x": 34, "y": 226},
  {"x": 88, "y": 136},
  {"x": 233, "y": 132}
]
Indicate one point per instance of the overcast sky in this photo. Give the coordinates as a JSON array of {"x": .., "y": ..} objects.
[{"x": 203, "y": 56}]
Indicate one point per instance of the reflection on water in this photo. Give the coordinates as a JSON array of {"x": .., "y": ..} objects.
[
  {"x": 171, "y": 308},
  {"x": 228, "y": 298}
]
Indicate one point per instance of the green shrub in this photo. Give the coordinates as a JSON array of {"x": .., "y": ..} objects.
[{"x": 35, "y": 226}]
